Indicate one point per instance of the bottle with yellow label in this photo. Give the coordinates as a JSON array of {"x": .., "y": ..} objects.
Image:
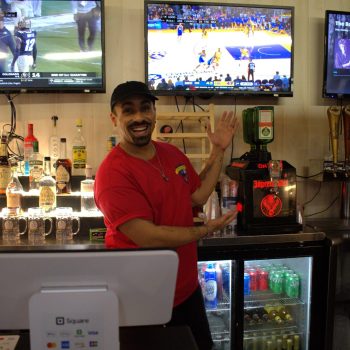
[{"x": 79, "y": 155}]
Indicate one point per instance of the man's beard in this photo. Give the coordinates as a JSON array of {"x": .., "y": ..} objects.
[{"x": 141, "y": 141}]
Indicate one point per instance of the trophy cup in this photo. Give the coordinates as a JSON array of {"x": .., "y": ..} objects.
[
  {"x": 334, "y": 113},
  {"x": 345, "y": 192}
]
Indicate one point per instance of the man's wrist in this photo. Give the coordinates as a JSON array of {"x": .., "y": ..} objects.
[
  {"x": 203, "y": 231},
  {"x": 217, "y": 150}
]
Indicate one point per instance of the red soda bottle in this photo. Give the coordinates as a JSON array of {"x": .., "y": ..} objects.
[{"x": 28, "y": 147}]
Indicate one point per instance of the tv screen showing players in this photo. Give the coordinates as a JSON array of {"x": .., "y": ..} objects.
[
  {"x": 337, "y": 54},
  {"x": 219, "y": 48},
  {"x": 51, "y": 45}
]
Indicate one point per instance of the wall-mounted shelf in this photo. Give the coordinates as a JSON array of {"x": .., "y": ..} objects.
[{"x": 195, "y": 125}]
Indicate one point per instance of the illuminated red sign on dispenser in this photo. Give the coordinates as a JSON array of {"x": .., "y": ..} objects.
[
  {"x": 268, "y": 184},
  {"x": 271, "y": 205}
]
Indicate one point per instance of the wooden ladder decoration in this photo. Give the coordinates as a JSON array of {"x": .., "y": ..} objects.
[{"x": 196, "y": 123}]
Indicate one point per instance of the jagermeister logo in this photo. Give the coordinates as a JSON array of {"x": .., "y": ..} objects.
[{"x": 266, "y": 131}]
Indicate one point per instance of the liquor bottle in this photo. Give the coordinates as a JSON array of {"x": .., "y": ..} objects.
[
  {"x": 54, "y": 144},
  {"x": 87, "y": 192},
  {"x": 79, "y": 155},
  {"x": 36, "y": 170},
  {"x": 5, "y": 168},
  {"x": 14, "y": 193},
  {"x": 47, "y": 188},
  {"x": 28, "y": 148},
  {"x": 63, "y": 170},
  {"x": 279, "y": 344},
  {"x": 284, "y": 314},
  {"x": 289, "y": 344},
  {"x": 273, "y": 314}
]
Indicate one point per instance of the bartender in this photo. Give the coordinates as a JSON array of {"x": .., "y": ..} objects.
[{"x": 147, "y": 190}]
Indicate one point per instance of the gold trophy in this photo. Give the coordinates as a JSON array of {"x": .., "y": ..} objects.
[{"x": 334, "y": 113}]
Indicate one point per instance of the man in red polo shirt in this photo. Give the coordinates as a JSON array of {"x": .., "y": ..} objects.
[{"x": 147, "y": 189}]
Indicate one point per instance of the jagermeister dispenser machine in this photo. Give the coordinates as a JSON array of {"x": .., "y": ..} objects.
[{"x": 266, "y": 187}]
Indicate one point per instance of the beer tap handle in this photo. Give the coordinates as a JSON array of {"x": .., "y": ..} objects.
[
  {"x": 334, "y": 113},
  {"x": 346, "y": 125}
]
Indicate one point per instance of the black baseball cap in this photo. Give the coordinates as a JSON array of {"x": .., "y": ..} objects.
[{"x": 128, "y": 89}]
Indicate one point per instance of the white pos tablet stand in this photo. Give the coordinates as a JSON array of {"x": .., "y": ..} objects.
[{"x": 79, "y": 299}]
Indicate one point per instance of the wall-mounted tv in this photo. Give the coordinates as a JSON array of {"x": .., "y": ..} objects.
[
  {"x": 52, "y": 46},
  {"x": 337, "y": 55},
  {"x": 218, "y": 48}
]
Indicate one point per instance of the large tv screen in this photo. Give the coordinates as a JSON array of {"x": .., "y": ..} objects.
[
  {"x": 52, "y": 45},
  {"x": 337, "y": 55},
  {"x": 218, "y": 48}
]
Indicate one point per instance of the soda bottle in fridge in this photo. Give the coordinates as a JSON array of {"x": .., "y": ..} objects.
[{"x": 211, "y": 287}]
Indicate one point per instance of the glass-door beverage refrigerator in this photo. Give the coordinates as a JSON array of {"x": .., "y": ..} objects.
[{"x": 268, "y": 292}]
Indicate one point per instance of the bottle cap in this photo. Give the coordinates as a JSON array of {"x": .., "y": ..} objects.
[
  {"x": 79, "y": 122},
  {"x": 63, "y": 139},
  {"x": 47, "y": 158}
]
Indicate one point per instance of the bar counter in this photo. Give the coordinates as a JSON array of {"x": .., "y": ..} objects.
[
  {"x": 229, "y": 247},
  {"x": 81, "y": 242}
]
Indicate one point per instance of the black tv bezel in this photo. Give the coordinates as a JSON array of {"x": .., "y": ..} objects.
[
  {"x": 326, "y": 61},
  {"x": 70, "y": 89},
  {"x": 211, "y": 92}
]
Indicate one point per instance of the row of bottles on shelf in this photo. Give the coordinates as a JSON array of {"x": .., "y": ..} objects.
[
  {"x": 46, "y": 186},
  {"x": 57, "y": 147},
  {"x": 214, "y": 279},
  {"x": 272, "y": 341},
  {"x": 57, "y": 151},
  {"x": 268, "y": 314},
  {"x": 278, "y": 279},
  {"x": 33, "y": 162}
]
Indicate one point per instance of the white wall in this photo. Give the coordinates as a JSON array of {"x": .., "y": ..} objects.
[{"x": 301, "y": 124}]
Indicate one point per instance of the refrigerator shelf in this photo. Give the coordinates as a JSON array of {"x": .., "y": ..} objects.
[
  {"x": 219, "y": 326},
  {"x": 269, "y": 327},
  {"x": 223, "y": 305},
  {"x": 274, "y": 299},
  {"x": 289, "y": 331}
]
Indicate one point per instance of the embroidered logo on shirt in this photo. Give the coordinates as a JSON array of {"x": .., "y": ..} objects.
[{"x": 181, "y": 170}]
